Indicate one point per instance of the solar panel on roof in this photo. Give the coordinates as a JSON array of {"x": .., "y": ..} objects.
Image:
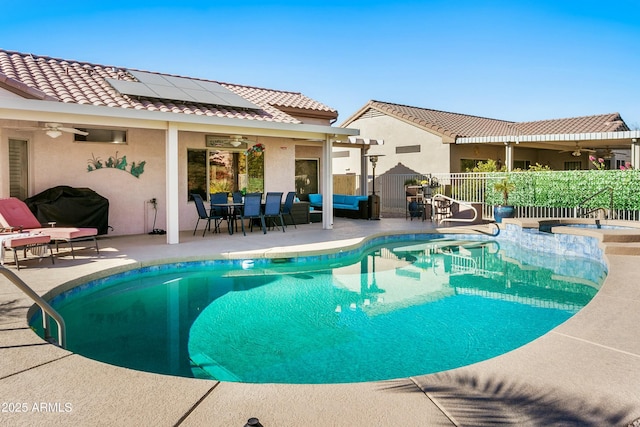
[{"x": 179, "y": 89}]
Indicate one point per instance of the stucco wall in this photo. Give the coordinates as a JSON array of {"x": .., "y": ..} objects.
[
  {"x": 61, "y": 161},
  {"x": 433, "y": 156}
]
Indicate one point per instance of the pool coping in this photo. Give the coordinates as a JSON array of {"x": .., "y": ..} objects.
[{"x": 578, "y": 370}]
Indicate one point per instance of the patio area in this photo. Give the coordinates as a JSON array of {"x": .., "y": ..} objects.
[{"x": 584, "y": 372}]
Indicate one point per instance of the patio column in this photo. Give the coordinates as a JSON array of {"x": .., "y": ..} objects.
[
  {"x": 635, "y": 153},
  {"x": 171, "y": 184},
  {"x": 327, "y": 183},
  {"x": 508, "y": 156},
  {"x": 364, "y": 171}
]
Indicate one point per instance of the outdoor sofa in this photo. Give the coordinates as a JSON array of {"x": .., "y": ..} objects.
[{"x": 344, "y": 205}]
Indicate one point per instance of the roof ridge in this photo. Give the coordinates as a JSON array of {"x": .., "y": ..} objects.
[{"x": 442, "y": 111}]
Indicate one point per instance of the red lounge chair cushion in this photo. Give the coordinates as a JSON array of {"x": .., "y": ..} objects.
[{"x": 33, "y": 239}]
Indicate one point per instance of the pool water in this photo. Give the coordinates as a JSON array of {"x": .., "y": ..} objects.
[{"x": 401, "y": 309}]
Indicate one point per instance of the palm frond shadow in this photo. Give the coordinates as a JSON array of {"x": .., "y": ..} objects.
[
  {"x": 10, "y": 309},
  {"x": 493, "y": 402}
]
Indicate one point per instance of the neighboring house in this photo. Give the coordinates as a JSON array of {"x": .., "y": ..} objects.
[
  {"x": 136, "y": 136},
  {"x": 431, "y": 141}
]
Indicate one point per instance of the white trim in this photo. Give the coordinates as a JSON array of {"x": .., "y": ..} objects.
[
  {"x": 365, "y": 141},
  {"x": 579, "y": 137}
]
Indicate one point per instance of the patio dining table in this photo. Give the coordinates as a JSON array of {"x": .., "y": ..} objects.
[{"x": 231, "y": 212}]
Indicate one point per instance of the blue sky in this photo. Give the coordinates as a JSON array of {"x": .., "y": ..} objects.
[{"x": 511, "y": 60}]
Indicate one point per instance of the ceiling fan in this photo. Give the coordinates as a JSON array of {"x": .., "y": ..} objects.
[
  {"x": 54, "y": 130},
  {"x": 237, "y": 140},
  {"x": 608, "y": 153},
  {"x": 577, "y": 152}
]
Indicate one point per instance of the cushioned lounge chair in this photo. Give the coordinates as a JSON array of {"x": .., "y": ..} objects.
[
  {"x": 37, "y": 244},
  {"x": 16, "y": 215}
]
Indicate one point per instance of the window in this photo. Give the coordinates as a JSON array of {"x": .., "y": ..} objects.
[
  {"x": 521, "y": 164},
  {"x": 407, "y": 149},
  {"x": 307, "y": 176},
  {"x": 213, "y": 170},
  {"x": 18, "y": 169},
  {"x": 571, "y": 166},
  {"x": 109, "y": 136},
  {"x": 467, "y": 165}
]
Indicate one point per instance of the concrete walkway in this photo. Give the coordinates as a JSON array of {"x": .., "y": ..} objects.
[{"x": 586, "y": 372}]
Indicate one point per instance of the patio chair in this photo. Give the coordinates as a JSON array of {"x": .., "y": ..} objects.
[
  {"x": 287, "y": 208},
  {"x": 15, "y": 214},
  {"x": 37, "y": 244},
  {"x": 251, "y": 210},
  {"x": 219, "y": 213},
  {"x": 237, "y": 197},
  {"x": 441, "y": 208},
  {"x": 273, "y": 209},
  {"x": 202, "y": 213}
]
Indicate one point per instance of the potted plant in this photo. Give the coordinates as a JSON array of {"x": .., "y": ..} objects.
[
  {"x": 256, "y": 150},
  {"x": 505, "y": 186}
]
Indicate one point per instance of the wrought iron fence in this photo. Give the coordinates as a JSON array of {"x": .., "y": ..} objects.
[{"x": 471, "y": 187}]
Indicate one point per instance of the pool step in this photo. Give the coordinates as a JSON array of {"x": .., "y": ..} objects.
[
  {"x": 622, "y": 236},
  {"x": 622, "y": 248}
]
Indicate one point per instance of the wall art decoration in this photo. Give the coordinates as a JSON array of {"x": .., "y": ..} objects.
[{"x": 95, "y": 163}]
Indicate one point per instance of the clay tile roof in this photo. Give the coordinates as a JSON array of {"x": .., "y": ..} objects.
[
  {"x": 77, "y": 82},
  {"x": 445, "y": 123},
  {"x": 598, "y": 123},
  {"x": 455, "y": 125}
]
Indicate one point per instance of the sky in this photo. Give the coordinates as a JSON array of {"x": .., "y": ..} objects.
[{"x": 510, "y": 60}]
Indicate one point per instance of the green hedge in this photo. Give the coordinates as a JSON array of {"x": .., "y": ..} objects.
[{"x": 569, "y": 188}]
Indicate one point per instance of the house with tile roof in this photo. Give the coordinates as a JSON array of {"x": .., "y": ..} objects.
[
  {"x": 422, "y": 140},
  {"x": 136, "y": 136}
]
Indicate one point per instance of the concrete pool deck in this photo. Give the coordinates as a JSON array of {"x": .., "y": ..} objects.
[{"x": 584, "y": 372}]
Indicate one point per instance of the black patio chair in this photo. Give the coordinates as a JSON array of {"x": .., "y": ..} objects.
[
  {"x": 287, "y": 208},
  {"x": 251, "y": 210},
  {"x": 202, "y": 213},
  {"x": 237, "y": 210},
  {"x": 273, "y": 209},
  {"x": 218, "y": 213}
]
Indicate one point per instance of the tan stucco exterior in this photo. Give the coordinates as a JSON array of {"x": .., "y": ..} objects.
[{"x": 434, "y": 155}]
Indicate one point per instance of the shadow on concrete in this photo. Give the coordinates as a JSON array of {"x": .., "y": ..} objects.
[
  {"x": 10, "y": 310},
  {"x": 468, "y": 401}
]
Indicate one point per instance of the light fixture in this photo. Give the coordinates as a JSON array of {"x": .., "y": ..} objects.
[
  {"x": 235, "y": 143},
  {"x": 53, "y": 133}
]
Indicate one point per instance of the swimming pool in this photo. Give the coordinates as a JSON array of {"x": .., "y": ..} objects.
[{"x": 403, "y": 306}]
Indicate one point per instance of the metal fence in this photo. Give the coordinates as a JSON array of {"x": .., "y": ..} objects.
[{"x": 470, "y": 187}]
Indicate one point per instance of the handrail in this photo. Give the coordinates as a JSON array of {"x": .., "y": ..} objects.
[
  {"x": 459, "y": 202},
  {"x": 597, "y": 193},
  {"x": 44, "y": 306}
]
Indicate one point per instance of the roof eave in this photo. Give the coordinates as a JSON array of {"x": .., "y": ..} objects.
[{"x": 16, "y": 109}]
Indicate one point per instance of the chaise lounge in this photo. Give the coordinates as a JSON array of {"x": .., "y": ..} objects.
[
  {"x": 37, "y": 244},
  {"x": 16, "y": 215}
]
